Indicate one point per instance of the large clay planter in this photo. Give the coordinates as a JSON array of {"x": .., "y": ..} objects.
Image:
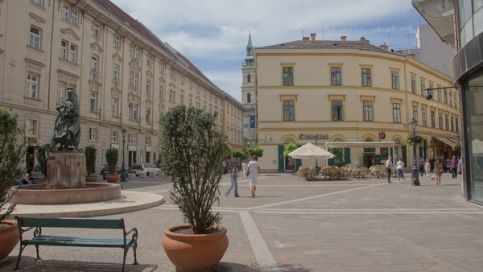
[
  {"x": 8, "y": 237},
  {"x": 91, "y": 178},
  {"x": 194, "y": 252},
  {"x": 113, "y": 178}
]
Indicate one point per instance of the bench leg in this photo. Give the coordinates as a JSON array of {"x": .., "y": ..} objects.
[
  {"x": 37, "y": 251},
  {"x": 134, "y": 250},
  {"x": 21, "y": 248},
  {"x": 124, "y": 259}
]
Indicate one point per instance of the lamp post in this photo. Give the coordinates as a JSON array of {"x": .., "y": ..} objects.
[
  {"x": 123, "y": 170},
  {"x": 415, "y": 139}
]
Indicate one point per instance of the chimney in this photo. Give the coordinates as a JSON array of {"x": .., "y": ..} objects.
[
  {"x": 312, "y": 36},
  {"x": 364, "y": 41},
  {"x": 305, "y": 38},
  {"x": 384, "y": 46},
  {"x": 343, "y": 38}
]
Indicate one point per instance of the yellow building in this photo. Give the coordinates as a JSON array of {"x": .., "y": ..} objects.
[
  {"x": 351, "y": 95},
  {"x": 125, "y": 77}
]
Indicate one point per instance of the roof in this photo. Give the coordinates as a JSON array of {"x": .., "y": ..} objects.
[{"x": 325, "y": 44}]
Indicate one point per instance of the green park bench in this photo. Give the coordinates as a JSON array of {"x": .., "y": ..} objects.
[{"x": 40, "y": 239}]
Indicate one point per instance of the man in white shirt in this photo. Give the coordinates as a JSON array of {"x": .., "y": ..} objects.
[
  {"x": 253, "y": 170},
  {"x": 388, "y": 166}
]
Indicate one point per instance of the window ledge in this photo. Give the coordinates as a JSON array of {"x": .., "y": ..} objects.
[
  {"x": 35, "y": 48},
  {"x": 32, "y": 99}
]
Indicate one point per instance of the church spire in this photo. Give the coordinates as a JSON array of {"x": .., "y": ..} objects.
[{"x": 249, "y": 56}]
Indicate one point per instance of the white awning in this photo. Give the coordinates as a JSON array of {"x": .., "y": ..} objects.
[
  {"x": 361, "y": 144},
  {"x": 446, "y": 141},
  {"x": 310, "y": 151}
]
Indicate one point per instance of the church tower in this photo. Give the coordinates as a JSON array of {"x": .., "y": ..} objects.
[{"x": 249, "y": 99}]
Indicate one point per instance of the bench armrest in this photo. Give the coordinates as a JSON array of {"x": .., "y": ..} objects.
[{"x": 134, "y": 237}]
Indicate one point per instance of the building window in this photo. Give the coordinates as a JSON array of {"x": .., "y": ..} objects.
[
  {"x": 336, "y": 76},
  {"x": 94, "y": 64},
  {"x": 446, "y": 122},
  {"x": 31, "y": 127},
  {"x": 62, "y": 87},
  {"x": 148, "y": 140},
  {"x": 133, "y": 112},
  {"x": 74, "y": 17},
  {"x": 64, "y": 45},
  {"x": 457, "y": 126},
  {"x": 396, "y": 112},
  {"x": 148, "y": 89},
  {"x": 415, "y": 112},
  {"x": 148, "y": 115},
  {"x": 93, "y": 101},
  {"x": 445, "y": 93},
  {"x": 161, "y": 93},
  {"x": 161, "y": 68},
  {"x": 433, "y": 119},
  {"x": 116, "y": 70},
  {"x": 33, "y": 85},
  {"x": 413, "y": 83},
  {"x": 368, "y": 110},
  {"x": 424, "y": 117},
  {"x": 441, "y": 125},
  {"x": 423, "y": 86},
  {"x": 65, "y": 12},
  {"x": 132, "y": 139},
  {"x": 366, "y": 77},
  {"x": 115, "y": 107},
  {"x": 133, "y": 80},
  {"x": 287, "y": 75},
  {"x": 395, "y": 80},
  {"x": 39, "y": 3},
  {"x": 96, "y": 30},
  {"x": 92, "y": 134},
  {"x": 288, "y": 110},
  {"x": 114, "y": 137},
  {"x": 337, "y": 110},
  {"x": 35, "y": 37},
  {"x": 172, "y": 96},
  {"x": 249, "y": 78},
  {"x": 452, "y": 123},
  {"x": 249, "y": 98},
  {"x": 439, "y": 93},
  {"x": 73, "y": 53},
  {"x": 116, "y": 40}
]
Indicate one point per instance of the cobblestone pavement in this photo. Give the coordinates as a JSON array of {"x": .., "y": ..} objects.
[{"x": 294, "y": 225}]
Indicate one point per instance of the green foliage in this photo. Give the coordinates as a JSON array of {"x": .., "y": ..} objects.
[
  {"x": 193, "y": 151},
  {"x": 418, "y": 140},
  {"x": 42, "y": 157},
  {"x": 112, "y": 155},
  {"x": 236, "y": 154},
  {"x": 339, "y": 157},
  {"x": 90, "y": 152},
  {"x": 255, "y": 151},
  {"x": 11, "y": 153},
  {"x": 289, "y": 148}
]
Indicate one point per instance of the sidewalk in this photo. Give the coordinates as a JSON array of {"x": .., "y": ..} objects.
[{"x": 294, "y": 225}]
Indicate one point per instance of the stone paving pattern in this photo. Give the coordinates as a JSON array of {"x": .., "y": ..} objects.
[{"x": 354, "y": 226}]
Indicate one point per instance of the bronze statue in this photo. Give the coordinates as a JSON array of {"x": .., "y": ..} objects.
[{"x": 67, "y": 123}]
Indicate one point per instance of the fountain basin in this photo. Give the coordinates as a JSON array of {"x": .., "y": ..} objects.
[{"x": 39, "y": 194}]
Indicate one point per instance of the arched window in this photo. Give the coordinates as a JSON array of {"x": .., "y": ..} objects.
[
  {"x": 249, "y": 78},
  {"x": 249, "y": 97}
]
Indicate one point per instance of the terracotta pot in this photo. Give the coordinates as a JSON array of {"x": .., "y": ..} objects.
[
  {"x": 8, "y": 237},
  {"x": 113, "y": 178},
  {"x": 91, "y": 178},
  {"x": 194, "y": 252}
]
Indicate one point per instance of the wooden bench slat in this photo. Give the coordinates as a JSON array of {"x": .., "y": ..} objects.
[
  {"x": 91, "y": 223},
  {"x": 77, "y": 241}
]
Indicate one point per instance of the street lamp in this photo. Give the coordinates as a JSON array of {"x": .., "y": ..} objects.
[
  {"x": 415, "y": 139},
  {"x": 123, "y": 170}
]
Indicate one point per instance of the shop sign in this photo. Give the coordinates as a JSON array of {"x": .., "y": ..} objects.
[{"x": 314, "y": 136}]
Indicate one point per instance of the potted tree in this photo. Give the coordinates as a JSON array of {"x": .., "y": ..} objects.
[
  {"x": 90, "y": 152},
  {"x": 193, "y": 151},
  {"x": 10, "y": 154},
  {"x": 112, "y": 156}
]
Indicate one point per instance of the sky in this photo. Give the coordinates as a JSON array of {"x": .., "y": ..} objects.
[{"x": 213, "y": 34}]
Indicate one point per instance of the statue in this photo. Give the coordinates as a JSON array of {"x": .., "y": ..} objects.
[{"x": 67, "y": 123}]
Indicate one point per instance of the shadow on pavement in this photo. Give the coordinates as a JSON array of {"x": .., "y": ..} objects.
[
  {"x": 234, "y": 267},
  {"x": 30, "y": 265}
]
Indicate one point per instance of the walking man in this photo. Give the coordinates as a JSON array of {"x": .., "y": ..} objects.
[
  {"x": 454, "y": 167},
  {"x": 253, "y": 169},
  {"x": 388, "y": 166},
  {"x": 234, "y": 184}
]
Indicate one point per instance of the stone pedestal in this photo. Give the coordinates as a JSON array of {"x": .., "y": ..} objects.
[{"x": 66, "y": 170}]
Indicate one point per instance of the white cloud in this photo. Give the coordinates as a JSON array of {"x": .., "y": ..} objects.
[{"x": 217, "y": 30}]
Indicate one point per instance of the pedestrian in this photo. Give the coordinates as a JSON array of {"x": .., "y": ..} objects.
[
  {"x": 454, "y": 167},
  {"x": 460, "y": 166},
  {"x": 234, "y": 184},
  {"x": 421, "y": 166},
  {"x": 225, "y": 168},
  {"x": 253, "y": 170},
  {"x": 388, "y": 166},
  {"x": 245, "y": 168},
  {"x": 400, "y": 170},
  {"x": 438, "y": 169},
  {"x": 427, "y": 168},
  {"x": 25, "y": 178}
]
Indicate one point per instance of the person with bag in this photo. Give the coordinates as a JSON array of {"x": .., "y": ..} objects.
[
  {"x": 388, "y": 166},
  {"x": 253, "y": 170},
  {"x": 400, "y": 170}
]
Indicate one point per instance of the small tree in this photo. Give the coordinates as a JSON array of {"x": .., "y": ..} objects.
[
  {"x": 255, "y": 151},
  {"x": 236, "y": 154},
  {"x": 10, "y": 154},
  {"x": 42, "y": 157},
  {"x": 90, "y": 152},
  {"x": 289, "y": 148},
  {"x": 112, "y": 155},
  {"x": 193, "y": 151}
]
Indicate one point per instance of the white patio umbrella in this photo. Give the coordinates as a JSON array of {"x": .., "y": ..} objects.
[{"x": 310, "y": 151}]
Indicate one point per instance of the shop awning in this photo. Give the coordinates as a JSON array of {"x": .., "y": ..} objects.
[
  {"x": 361, "y": 144},
  {"x": 446, "y": 141}
]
